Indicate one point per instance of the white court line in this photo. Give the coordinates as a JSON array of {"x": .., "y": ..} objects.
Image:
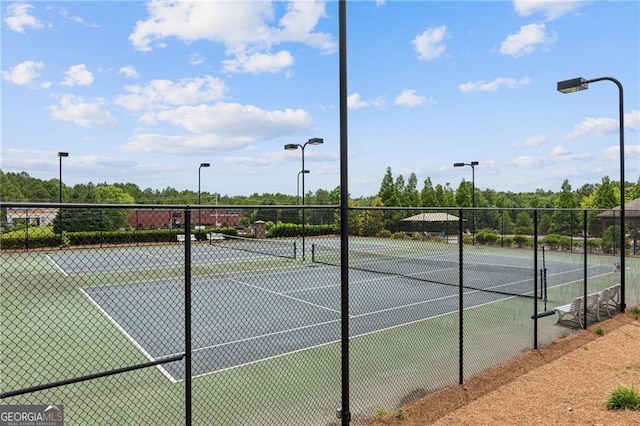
[
  {"x": 247, "y": 339},
  {"x": 283, "y": 295},
  {"x": 57, "y": 266},
  {"x": 128, "y": 336},
  {"x": 262, "y": 359},
  {"x": 143, "y": 285}
]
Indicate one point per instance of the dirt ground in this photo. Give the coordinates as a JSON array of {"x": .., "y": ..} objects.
[{"x": 565, "y": 383}]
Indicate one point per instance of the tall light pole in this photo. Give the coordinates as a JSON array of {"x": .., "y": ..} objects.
[
  {"x": 473, "y": 165},
  {"x": 578, "y": 84},
  {"x": 292, "y": 146},
  {"x": 60, "y": 155},
  {"x": 199, "y": 209},
  {"x": 298, "y": 184}
]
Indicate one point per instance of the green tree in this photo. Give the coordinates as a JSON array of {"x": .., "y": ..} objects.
[
  {"x": 606, "y": 196},
  {"x": 73, "y": 220},
  {"x": 428, "y": 194},
  {"x": 562, "y": 220},
  {"x": 463, "y": 194},
  {"x": 388, "y": 192},
  {"x": 524, "y": 223},
  {"x": 410, "y": 197}
]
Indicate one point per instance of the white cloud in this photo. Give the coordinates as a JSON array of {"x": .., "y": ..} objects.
[
  {"x": 492, "y": 86},
  {"x": 220, "y": 127},
  {"x": 182, "y": 144},
  {"x": 594, "y": 126},
  {"x": 550, "y": 9},
  {"x": 275, "y": 158},
  {"x": 18, "y": 18},
  {"x": 355, "y": 102},
  {"x": 158, "y": 94},
  {"x": 603, "y": 126},
  {"x": 78, "y": 75},
  {"x": 259, "y": 62},
  {"x": 75, "y": 110},
  {"x": 527, "y": 40},
  {"x": 409, "y": 97},
  {"x": 632, "y": 119},
  {"x": 25, "y": 73},
  {"x": 298, "y": 23},
  {"x": 74, "y": 18},
  {"x": 559, "y": 151},
  {"x": 246, "y": 122},
  {"x": 196, "y": 59},
  {"x": 525, "y": 161},
  {"x": 557, "y": 155},
  {"x": 246, "y": 29},
  {"x": 129, "y": 71},
  {"x": 535, "y": 140},
  {"x": 630, "y": 151},
  {"x": 430, "y": 44}
]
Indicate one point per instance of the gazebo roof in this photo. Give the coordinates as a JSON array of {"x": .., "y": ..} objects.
[
  {"x": 433, "y": 217},
  {"x": 631, "y": 210}
]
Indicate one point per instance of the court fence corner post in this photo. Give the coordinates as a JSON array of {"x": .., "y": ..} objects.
[{"x": 187, "y": 316}]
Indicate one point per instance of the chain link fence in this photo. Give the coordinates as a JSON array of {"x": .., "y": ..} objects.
[{"x": 231, "y": 315}]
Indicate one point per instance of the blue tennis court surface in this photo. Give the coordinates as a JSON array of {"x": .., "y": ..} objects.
[
  {"x": 106, "y": 260},
  {"x": 242, "y": 318}
]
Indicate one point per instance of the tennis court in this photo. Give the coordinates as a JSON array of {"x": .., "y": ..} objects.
[
  {"x": 105, "y": 260},
  {"x": 244, "y": 317}
]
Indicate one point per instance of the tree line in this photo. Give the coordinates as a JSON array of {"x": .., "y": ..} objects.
[
  {"x": 393, "y": 192},
  {"x": 507, "y": 214}
]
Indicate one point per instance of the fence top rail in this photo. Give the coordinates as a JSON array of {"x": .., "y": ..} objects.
[{"x": 11, "y": 205}]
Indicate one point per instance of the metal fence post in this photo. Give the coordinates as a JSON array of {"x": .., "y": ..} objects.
[
  {"x": 461, "y": 299},
  {"x": 535, "y": 279},
  {"x": 584, "y": 266},
  {"x": 187, "y": 315}
]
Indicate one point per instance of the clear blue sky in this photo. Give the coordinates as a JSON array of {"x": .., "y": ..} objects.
[{"x": 143, "y": 92}]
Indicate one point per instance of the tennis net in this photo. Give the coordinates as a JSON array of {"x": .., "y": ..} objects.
[
  {"x": 276, "y": 248},
  {"x": 485, "y": 276}
]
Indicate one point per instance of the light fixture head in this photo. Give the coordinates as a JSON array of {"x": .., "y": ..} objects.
[
  {"x": 315, "y": 141},
  {"x": 205, "y": 164},
  {"x": 291, "y": 146},
  {"x": 63, "y": 154},
  {"x": 458, "y": 164},
  {"x": 474, "y": 163},
  {"x": 305, "y": 171},
  {"x": 573, "y": 85}
]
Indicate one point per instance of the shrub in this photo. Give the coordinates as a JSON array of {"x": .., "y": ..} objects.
[
  {"x": 522, "y": 240},
  {"x": 635, "y": 311},
  {"x": 623, "y": 397},
  {"x": 594, "y": 244},
  {"x": 385, "y": 233},
  {"x": 398, "y": 235},
  {"x": 507, "y": 241},
  {"x": 486, "y": 237},
  {"x": 555, "y": 241}
]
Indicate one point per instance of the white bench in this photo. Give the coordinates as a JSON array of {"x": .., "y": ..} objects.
[
  {"x": 181, "y": 237},
  {"x": 606, "y": 300},
  {"x": 215, "y": 236}
]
